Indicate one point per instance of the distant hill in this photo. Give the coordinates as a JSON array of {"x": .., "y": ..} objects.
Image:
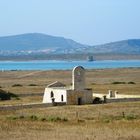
[
  {"x": 37, "y": 44},
  {"x": 131, "y": 46}
]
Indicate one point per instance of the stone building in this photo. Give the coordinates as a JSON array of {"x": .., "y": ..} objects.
[{"x": 77, "y": 94}]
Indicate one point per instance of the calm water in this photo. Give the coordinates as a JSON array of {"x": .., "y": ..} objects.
[{"x": 64, "y": 65}]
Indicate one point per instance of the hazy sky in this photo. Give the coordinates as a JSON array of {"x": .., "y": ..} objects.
[{"x": 86, "y": 21}]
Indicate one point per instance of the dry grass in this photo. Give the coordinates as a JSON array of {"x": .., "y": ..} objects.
[
  {"x": 22, "y": 100},
  {"x": 92, "y": 122},
  {"x": 43, "y": 78},
  {"x": 99, "y": 80},
  {"x": 89, "y": 122},
  {"x": 132, "y": 89}
]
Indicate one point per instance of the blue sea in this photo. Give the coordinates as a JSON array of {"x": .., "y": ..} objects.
[{"x": 66, "y": 65}]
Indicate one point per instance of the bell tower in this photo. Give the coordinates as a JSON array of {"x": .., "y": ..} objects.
[{"x": 78, "y": 78}]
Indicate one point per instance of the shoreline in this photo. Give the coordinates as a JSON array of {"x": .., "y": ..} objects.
[
  {"x": 71, "y": 57},
  {"x": 125, "y": 68},
  {"x": 66, "y": 65}
]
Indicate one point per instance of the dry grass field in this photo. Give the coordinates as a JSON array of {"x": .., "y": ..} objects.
[
  {"x": 32, "y": 82},
  {"x": 100, "y": 80},
  {"x": 117, "y": 121}
]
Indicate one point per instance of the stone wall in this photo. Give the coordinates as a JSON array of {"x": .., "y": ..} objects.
[
  {"x": 126, "y": 96},
  {"x": 84, "y": 95},
  {"x": 122, "y": 100},
  {"x": 27, "y": 106}
]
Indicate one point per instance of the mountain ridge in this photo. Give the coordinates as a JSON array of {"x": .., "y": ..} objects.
[
  {"x": 130, "y": 46},
  {"x": 37, "y": 43}
]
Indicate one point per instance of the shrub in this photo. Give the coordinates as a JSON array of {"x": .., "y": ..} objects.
[
  {"x": 131, "y": 82},
  {"x": 12, "y": 117},
  {"x": 65, "y": 119},
  {"x": 4, "y": 95},
  {"x": 55, "y": 119},
  {"x": 21, "y": 117},
  {"x": 43, "y": 119},
  {"x": 12, "y": 94},
  {"x": 97, "y": 100},
  {"x": 7, "y": 95},
  {"x": 17, "y": 85},
  {"x": 80, "y": 121},
  {"x": 32, "y": 85},
  {"x": 33, "y": 117},
  {"x": 117, "y": 82},
  {"x": 130, "y": 117},
  {"x": 106, "y": 121},
  {"x": 126, "y": 117}
]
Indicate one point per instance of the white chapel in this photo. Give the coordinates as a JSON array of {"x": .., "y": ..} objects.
[{"x": 77, "y": 94}]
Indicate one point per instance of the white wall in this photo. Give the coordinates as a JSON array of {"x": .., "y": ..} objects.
[{"x": 57, "y": 95}]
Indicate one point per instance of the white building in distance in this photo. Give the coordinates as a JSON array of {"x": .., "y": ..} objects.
[{"x": 77, "y": 94}]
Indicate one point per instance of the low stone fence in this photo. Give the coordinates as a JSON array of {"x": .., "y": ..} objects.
[
  {"x": 111, "y": 100},
  {"x": 117, "y": 98},
  {"x": 27, "y": 106},
  {"x": 126, "y": 96}
]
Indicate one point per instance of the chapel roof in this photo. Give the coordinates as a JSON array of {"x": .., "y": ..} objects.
[{"x": 56, "y": 84}]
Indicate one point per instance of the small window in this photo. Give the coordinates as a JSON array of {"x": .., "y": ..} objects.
[
  {"x": 62, "y": 98},
  {"x": 52, "y": 94}
]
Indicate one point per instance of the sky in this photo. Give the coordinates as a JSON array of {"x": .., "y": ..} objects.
[{"x": 86, "y": 21}]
